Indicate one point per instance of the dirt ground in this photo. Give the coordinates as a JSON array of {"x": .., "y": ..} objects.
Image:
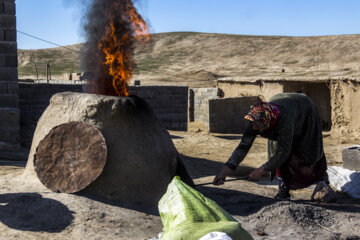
[{"x": 28, "y": 212}]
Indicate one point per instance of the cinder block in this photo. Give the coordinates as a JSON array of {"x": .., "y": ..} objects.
[
  {"x": 10, "y": 35},
  {"x": 7, "y": 34},
  {"x": 2, "y": 60},
  {"x": 3, "y": 87},
  {"x": 9, "y": 115},
  {"x": 224, "y": 112},
  {"x": 12, "y": 87},
  {"x": 8, "y": 47},
  {"x": 6, "y": 147},
  {"x": 9, "y": 8},
  {"x": 212, "y": 90},
  {"x": 2, "y": 34},
  {"x": 351, "y": 157},
  {"x": 10, "y": 134},
  {"x": 9, "y": 101},
  {"x": 11, "y": 61},
  {"x": 7, "y": 21},
  {"x": 166, "y": 124},
  {"x": 8, "y": 74},
  {"x": 9, "y": 125}
]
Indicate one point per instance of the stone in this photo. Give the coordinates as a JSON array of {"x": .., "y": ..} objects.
[
  {"x": 351, "y": 157},
  {"x": 70, "y": 157},
  {"x": 323, "y": 193},
  {"x": 142, "y": 158}
]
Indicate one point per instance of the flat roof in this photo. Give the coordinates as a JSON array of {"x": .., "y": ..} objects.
[{"x": 285, "y": 79}]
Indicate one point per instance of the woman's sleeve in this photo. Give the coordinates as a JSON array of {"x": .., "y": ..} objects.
[
  {"x": 283, "y": 149},
  {"x": 243, "y": 148}
]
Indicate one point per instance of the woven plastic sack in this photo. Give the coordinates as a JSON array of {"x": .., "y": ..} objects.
[{"x": 187, "y": 214}]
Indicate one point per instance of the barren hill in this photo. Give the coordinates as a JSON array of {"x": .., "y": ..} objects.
[{"x": 198, "y": 59}]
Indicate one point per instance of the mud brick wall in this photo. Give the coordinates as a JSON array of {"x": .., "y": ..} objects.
[
  {"x": 198, "y": 104},
  {"x": 345, "y": 111},
  {"x": 9, "y": 98},
  {"x": 226, "y": 115},
  {"x": 168, "y": 103}
]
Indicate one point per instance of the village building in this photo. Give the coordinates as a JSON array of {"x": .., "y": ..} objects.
[{"x": 335, "y": 99}]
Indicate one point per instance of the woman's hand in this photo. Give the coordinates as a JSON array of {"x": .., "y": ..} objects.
[
  {"x": 257, "y": 174},
  {"x": 220, "y": 177}
]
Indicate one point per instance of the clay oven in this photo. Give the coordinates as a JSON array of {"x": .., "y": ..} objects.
[{"x": 141, "y": 158}]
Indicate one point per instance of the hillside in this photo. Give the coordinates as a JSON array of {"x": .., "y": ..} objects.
[
  {"x": 198, "y": 59},
  {"x": 61, "y": 61}
]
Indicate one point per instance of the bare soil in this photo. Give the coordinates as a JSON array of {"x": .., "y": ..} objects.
[
  {"x": 28, "y": 212},
  {"x": 197, "y": 59}
]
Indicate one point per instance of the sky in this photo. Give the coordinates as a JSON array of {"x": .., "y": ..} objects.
[{"x": 55, "y": 21}]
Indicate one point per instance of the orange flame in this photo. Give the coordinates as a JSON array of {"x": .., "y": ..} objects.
[
  {"x": 118, "y": 59},
  {"x": 138, "y": 24}
]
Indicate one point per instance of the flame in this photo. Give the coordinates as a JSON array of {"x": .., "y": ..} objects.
[
  {"x": 138, "y": 24},
  {"x": 116, "y": 46}
]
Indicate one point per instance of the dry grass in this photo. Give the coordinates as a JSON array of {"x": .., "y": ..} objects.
[{"x": 176, "y": 58}]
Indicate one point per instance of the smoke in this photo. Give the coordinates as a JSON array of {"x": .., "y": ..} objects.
[{"x": 100, "y": 16}]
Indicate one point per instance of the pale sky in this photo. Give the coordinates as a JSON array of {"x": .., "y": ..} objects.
[{"x": 60, "y": 23}]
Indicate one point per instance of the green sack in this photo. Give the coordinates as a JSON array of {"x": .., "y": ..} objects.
[{"x": 187, "y": 214}]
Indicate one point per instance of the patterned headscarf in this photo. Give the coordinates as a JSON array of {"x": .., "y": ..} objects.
[{"x": 264, "y": 115}]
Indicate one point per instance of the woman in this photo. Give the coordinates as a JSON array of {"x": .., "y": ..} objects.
[{"x": 291, "y": 123}]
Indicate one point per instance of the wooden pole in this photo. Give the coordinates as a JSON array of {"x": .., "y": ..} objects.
[
  {"x": 50, "y": 70},
  {"x": 48, "y": 73},
  {"x": 36, "y": 70}
]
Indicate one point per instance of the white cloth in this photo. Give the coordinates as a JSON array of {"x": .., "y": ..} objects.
[
  {"x": 216, "y": 236},
  {"x": 345, "y": 180}
]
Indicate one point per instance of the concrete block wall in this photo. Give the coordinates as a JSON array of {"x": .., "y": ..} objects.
[
  {"x": 9, "y": 98},
  {"x": 318, "y": 91},
  {"x": 351, "y": 158},
  {"x": 199, "y": 104},
  {"x": 34, "y": 98},
  {"x": 168, "y": 103},
  {"x": 226, "y": 115}
]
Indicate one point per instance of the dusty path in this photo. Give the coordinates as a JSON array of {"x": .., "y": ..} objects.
[
  {"x": 33, "y": 213},
  {"x": 252, "y": 203}
]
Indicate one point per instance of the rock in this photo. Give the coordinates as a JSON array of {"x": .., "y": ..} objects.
[
  {"x": 351, "y": 157},
  {"x": 141, "y": 159},
  {"x": 323, "y": 193}
]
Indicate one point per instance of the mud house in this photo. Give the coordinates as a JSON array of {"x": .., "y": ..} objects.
[
  {"x": 336, "y": 98},
  {"x": 220, "y": 109}
]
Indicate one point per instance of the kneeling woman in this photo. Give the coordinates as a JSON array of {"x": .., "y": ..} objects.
[{"x": 291, "y": 123}]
